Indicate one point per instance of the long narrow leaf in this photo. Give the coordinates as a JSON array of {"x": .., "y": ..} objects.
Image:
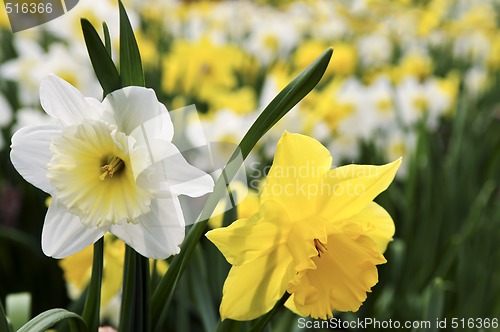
[
  {"x": 93, "y": 301},
  {"x": 130, "y": 58},
  {"x": 51, "y": 317},
  {"x": 102, "y": 63},
  {"x": 281, "y": 104}
]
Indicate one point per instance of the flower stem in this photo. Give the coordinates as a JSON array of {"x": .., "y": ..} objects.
[
  {"x": 263, "y": 320},
  {"x": 93, "y": 301},
  {"x": 135, "y": 313}
]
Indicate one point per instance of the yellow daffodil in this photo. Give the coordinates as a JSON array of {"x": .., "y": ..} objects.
[
  {"x": 318, "y": 235},
  {"x": 77, "y": 269},
  {"x": 109, "y": 166}
]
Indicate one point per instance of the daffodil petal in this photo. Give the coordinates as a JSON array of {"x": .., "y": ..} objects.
[
  {"x": 183, "y": 178},
  {"x": 31, "y": 153},
  {"x": 134, "y": 107},
  {"x": 298, "y": 166},
  {"x": 344, "y": 274},
  {"x": 178, "y": 177},
  {"x": 301, "y": 243},
  {"x": 64, "y": 102},
  {"x": 290, "y": 304},
  {"x": 376, "y": 223},
  {"x": 347, "y": 190},
  {"x": 248, "y": 239},
  {"x": 252, "y": 289},
  {"x": 63, "y": 234},
  {"x": 156, "y": 234}
]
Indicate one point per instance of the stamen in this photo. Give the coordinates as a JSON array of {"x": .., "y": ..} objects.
[
  {"x": 320, "y": 247},
  {"x": 114, "y": 165}
]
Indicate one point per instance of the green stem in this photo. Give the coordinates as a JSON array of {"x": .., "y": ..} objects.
[
  {"x": 263, "y": 320},
  {"x": 135, "y": 313},
  {"x": 93, "y": 301}
]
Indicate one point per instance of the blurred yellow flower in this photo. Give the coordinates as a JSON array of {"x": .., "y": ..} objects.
[
  {"x": 193, "y": 66},
  {"x": 449, "y": 86},
  {"x": 77, "y": 269},
  {"x": 345, "y": 59},
  {"x": 318, "y": 235},
  {"x": 416, "y": 65},
  {"x": 241, "y": 101},
  {"x": 308, "y": 51}
]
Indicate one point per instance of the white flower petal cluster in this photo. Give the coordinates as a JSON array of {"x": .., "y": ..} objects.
[{"x": 109, "y": 166}]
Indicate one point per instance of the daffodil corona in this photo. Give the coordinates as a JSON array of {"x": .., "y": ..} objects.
[
  {"x": 109, "y": 166},
  {"x": 318, "y": 235}
]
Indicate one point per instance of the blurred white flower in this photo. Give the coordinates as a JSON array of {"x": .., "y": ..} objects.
[
  {"x": 33, "y": 64},
  {"x": 421, "y": 101},
  {"x": 397, "y": 143},
  {"x": 273, "y": 34},
  {"x": 68, "y": 27},
  {"x": 476, "y": 81},
  {"x": 374, "y": 50},
  {"x": 109, "y": 166},
  {"x": 223, "y": 133},
  {"x": 473, "y": 46}
]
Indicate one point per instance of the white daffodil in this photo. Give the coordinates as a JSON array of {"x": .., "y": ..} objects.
[{"x": 109, "y": 166}]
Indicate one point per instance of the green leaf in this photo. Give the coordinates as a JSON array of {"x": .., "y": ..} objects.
[
  {"x": 135, "y": 314},
  {"x": 107, "y": 38},
  {"x": 4, "y": 324},
  {"x": 102, "y": 63},
  {"x": 130, "y": 58},
  {"x": 435, "y": 304},
  {"x": 93, "y": 301},
  {"x": 279, "y": 106},
  {"x": 51, "y": 317}
]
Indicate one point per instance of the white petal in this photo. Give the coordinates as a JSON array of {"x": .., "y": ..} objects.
[
  {"x": 31, "y": 153},
  {"x": 134, "y": 107},
  {"x": 63, "y": 234},
  {"x": 63, "y": 101},
  {"x": 173, "y": 174},
  {"x": 158, "y": 233}
]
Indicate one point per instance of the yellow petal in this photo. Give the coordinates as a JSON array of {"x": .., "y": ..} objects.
[
  {"x": 248, "y": 239},
  {"x": 299, "y": 164},
  {"x": 252, "y": 289},
  {"x": 376, "y": 223},
  {"x": 347, "y": 190},
  {"x": 344, "y": 273},
  {"x": 301, "y": 244},
  {"x": 113, "y": 269},
  {"x": 77, "y": 267},
  {"x": 290, "y": 304}
]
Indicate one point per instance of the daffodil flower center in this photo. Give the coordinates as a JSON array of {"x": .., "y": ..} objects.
[
  {"x": 320, "y": 247},
  {"x": 91, "y": 169},
  {"x": 113, "y": 166}
]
